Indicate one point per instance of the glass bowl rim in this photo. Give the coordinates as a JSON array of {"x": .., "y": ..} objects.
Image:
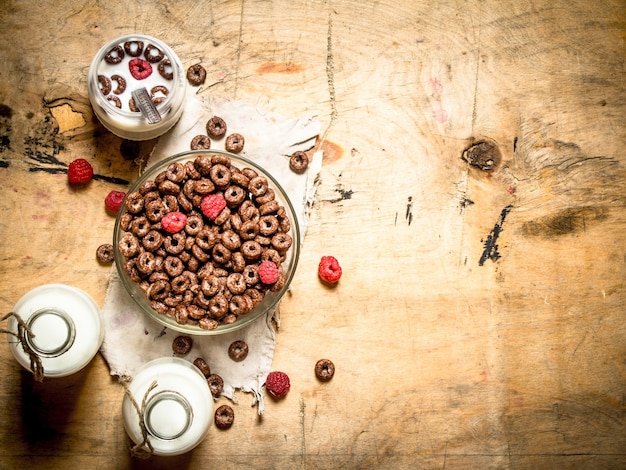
[{"x": 248, "y": 318}]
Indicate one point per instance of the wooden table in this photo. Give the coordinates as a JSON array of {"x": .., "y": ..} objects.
[{"x": 479, "y": 322}]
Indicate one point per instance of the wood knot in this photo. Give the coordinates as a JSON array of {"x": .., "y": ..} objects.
[{"x": 483, "y": 155}]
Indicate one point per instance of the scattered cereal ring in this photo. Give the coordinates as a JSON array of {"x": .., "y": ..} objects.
[
  {"x": 182, "y": 344},
  {"x": 216, "y": 384},
  {"x": 201, "y": 364},
  {"x": 200, "y": 142},
  {"x": 238, "y": 350},
  {"x": 216, "y": 127},
  {"x": 324, "y": 370},
  {"x": 104, "y": 253},
  {"x": 224, "y": 417},
  {"x": 298, "y": 162},
  {"x": 196, "y": 74},
  {"x": 234, "y": 143}
]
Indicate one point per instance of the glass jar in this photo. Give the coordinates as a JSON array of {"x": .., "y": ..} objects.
[
  {"x": 65, "y": 326},
  {"x": 143, "y": 64},
  {"x": 178, "y": 410}
]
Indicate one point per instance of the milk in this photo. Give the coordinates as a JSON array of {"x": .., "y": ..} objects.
[
  {"x": 179, "y": 410},
  {"x": 123, "y": 121},
  {"x": 65, "y": 329}
]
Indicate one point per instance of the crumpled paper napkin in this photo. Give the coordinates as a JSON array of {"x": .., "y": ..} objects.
[{"x": 131, "y": 338}]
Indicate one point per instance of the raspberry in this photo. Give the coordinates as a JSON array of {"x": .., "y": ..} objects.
[
  {"x": 212, "y": 205},
  {"x": 268, "y": 272},
  {"x": 114, "y": 200},
  {"x": 79, "y": 171},
  {"x": 140, "y": 68},
  {"x": 174, "y": 222},
  {"x": 329, "y": 269},
  {"x": 277, "y": 383}
]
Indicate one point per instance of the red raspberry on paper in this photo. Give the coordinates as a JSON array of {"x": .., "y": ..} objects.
[
  {"x": 140, "y": 68},
  {"x": 329, "y": 269},
  {"x": 277, "y": 383},
  {"x": 268, "y": 272},
  {"x": 114, "y": 200},
  {"x": 174, "y": 222},
  {"x": 212, "y": 205},
  {"x": 79, "y": 171}
]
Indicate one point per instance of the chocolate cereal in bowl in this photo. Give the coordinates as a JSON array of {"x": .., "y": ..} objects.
[{"x": 206, "y": 242}]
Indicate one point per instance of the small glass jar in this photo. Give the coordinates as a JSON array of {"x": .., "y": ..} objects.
[
  {"x": 65, "y": 326},
  {"x": 128, "y": 64},
  {"x": 178, "y": 410}
]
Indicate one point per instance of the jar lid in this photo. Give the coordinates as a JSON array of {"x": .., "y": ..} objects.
[{"x": 65, "y": 328}]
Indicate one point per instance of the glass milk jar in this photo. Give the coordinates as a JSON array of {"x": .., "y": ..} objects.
[
  {"x": 178, "y": 410},
  {"x": 136, "y": 86},
  {"x": 65, "y": 329}
]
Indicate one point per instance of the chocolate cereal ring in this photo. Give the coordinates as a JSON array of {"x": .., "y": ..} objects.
[
  {"x": 132, "y": 105},
  {"x": 153, "y": 54},
  {"x": 224, "y": 417},
  {"x": 207, "y": 323},
  {"x": 298, "y": 162},
  {"x": 234, "y": 143},
  {"x": 165, "y": 69},
  {"x": 282, "y": 241},
  {"x": 240, "y": 305},
  {"x": 104, "y": 253},
  {"x": 140, "y": 226},
  {"x": 152, "y": 241},
  {"x": 216, "y": 127},
  {"x": 251, "y": 249},
  {"x": 133, "y": 48},
  {"x": 324, "y": 370},
  {"x": 158, "y": 89},
  {"x": 104, "y": 84},
  {"x": 200, "y": 142},
  {"x": 201, "y": 364},
  {"x": 196, "y": 74},
  {"x": 121, "y": 84},
  {"x": 268, "y": 225},
  {"x": 251, "y": 274},
  {"x": 128, "y": 245},
  {"x": 236, "y": 283},
  {"x": 238, "y": 350},
  {"x": 216, "y": 384},
  {"x": 235, "y": 195},
  {"x": 115, "y": 100},
  {"x": 114, "y": 55},
  {"x": 175, "y": 172},
  {"x": 220, "y": 175},
  {"x": 218, "y": 307},
  {"x": 258, "y": 186},
  {"x": 182, "y": 344}
]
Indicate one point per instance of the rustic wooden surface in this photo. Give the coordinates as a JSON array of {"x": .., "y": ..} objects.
[{"x": 480, "y": 319}]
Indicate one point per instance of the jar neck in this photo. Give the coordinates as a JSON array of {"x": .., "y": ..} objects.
[
  {"x": 168, "y": 415},
  {"x": 51, "y": 332}
]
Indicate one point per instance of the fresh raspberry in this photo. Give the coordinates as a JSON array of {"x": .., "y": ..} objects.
[
  {"x": 277, "y": 383},
  {"x": 329, "y": 269},
  {"x": 114, "y": 200},
  {"x": 140, "y": 68},
  {"x": 79, "y": 171},
  {"x": 268, "y": 272},
  {"x": 174, "y": 222},
  {"x": 212, "y": 205}
]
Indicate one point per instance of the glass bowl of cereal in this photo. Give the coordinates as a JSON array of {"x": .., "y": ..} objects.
[{"x": 206, "y": 242}]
